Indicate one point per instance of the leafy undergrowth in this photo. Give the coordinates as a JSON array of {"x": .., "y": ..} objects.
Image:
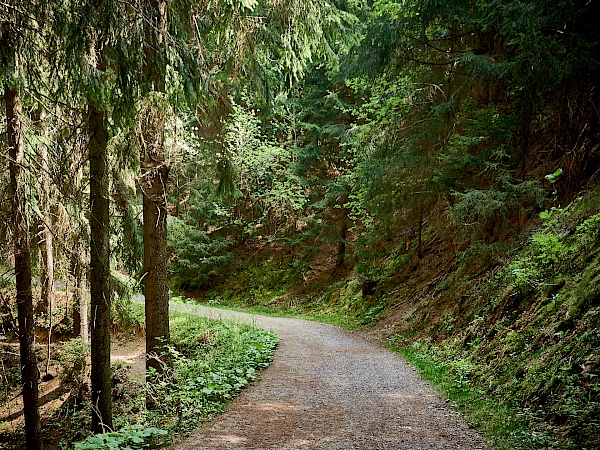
[
  {"x": 503, "y": 424},
  {"x": 210, "y": 362},
  {"x": 519, "y": 345}
]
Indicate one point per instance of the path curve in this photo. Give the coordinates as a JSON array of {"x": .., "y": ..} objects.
[{"x": 328, "y": 388}]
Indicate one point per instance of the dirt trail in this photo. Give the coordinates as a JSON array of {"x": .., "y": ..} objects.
[{"x": 328, "y": 388}]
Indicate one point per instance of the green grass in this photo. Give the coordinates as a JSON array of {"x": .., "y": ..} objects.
[
  {"x": 332, "y": 318},
  {"x": 505, "y": 425}
]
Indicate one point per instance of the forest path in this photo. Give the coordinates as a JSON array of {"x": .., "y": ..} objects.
[{"x": 328, "y": 388}]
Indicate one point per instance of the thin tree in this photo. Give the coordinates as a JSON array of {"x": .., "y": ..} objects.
[
  {"x": 22, "y": 253},
  {"x": 44, "y": 236}
]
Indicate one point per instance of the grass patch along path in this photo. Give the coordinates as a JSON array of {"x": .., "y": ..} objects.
[{"x": 328, "y": 388}]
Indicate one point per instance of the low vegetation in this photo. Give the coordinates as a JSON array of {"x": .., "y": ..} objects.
[{"x": 207, "y": 363}]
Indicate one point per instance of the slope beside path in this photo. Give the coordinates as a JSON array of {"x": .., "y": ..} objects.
[{"x": 328, "y": 388}]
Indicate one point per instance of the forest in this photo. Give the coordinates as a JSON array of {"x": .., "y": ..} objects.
[{"x": 426, "y": 172}]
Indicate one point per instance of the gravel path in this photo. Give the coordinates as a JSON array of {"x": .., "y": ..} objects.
[{"x": 328, "y": 388}]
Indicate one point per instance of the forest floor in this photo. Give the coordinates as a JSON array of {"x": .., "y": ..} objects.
[
  {"x": 328, "y": 388},
  {"x": 130, "y": 350}
]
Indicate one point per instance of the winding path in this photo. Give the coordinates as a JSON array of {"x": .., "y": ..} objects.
[{"x": 328, "y": 388}]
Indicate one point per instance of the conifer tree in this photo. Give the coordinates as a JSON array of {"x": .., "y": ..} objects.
[
  {"x": 22, "y": 253},
  {"x": 99, "y": 270},
  {"x": 14, "y": 21},
  {"x": 153, "y": 180}
]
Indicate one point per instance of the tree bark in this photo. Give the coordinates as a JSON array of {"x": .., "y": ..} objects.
[
  {"x": 45, "y": 240},
  {"x": 344, "y": 220},
  {"x": 153, "y": 181},
  {"x": 79, "y": 262},
  {"x": 80, "y": 304},
  {"x": 46, "y": 243},
  {"x": 340, "y": 257},
  {"x": 99, "y": 272},
  {"x": 22, "y": 249}
]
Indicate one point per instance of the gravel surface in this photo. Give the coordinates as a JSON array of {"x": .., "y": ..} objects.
[{"x": 328, "y": 388}]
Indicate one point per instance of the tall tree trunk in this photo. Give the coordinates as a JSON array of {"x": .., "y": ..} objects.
[
  {"x": 99, "y": 272},
  {"x": 340, "y": 257},
  {"x": 344, "y": 220},
  {"x": 153, "y": 181},
  {"x": 45, "y": 241},
  {"x": 29, "y": 369},
  {"x": 78, "y": 264},
  {"x": 80, "y": 304}
]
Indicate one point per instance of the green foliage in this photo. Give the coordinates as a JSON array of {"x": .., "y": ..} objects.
[
  {"x": 267, "y": 186},
  {"x": 525, "y": 343},
  {"x": 588, "y": 232},
  {"x": 124, "y": 313},
  {"x": 73, "y": 358},
  {"x": 135, "y": 437},
  {"x": 453, "y": 373},
  {"x": 553, "y": 177},
  {"x": 207, "y": 364},
  {"x": 482, "y": 155},
  {"x": 197, "y": 255},
  {"x": 536, "y": 263},
  {"x": 211, "y": 362}
]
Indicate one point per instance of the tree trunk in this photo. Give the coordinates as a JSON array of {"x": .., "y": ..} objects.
[
  {"x": 341, "y": 248},
  {"x": 46, "y": 244},
  {"x": 47, "y": 273},
  {"x": 80, "y": 304},
  {"x": 153, "y": 181},
  {"x": 99, "y": 272},
  {"x": 45, "y": 241},
  {"x": 29, "y": 369},
  {"x": 343, "y": 237},
  {"x": 78, "y": 264}
]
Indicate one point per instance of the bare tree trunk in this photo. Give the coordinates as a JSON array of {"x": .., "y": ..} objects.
[
  {"x": 47, "y": 253},
  {"x": 78, "y": 265},
  {"x": 29, "y": 369},
  {"x": 341, "y": 248},
  {"x": 99, "y": 272},
  {"x": 45, "y": 241},
  {"x": 46, "y": 244},
  {"x": 343, "y": 237},
  {"x": 80, "y": 306},
  {"x": 153, "y": 180}
]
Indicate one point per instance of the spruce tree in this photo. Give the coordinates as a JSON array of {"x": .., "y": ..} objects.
[
  {"x": 153, "y": 180},
  {"x": 22, "y": 254},
  {"x": 15, "y": 22}
]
